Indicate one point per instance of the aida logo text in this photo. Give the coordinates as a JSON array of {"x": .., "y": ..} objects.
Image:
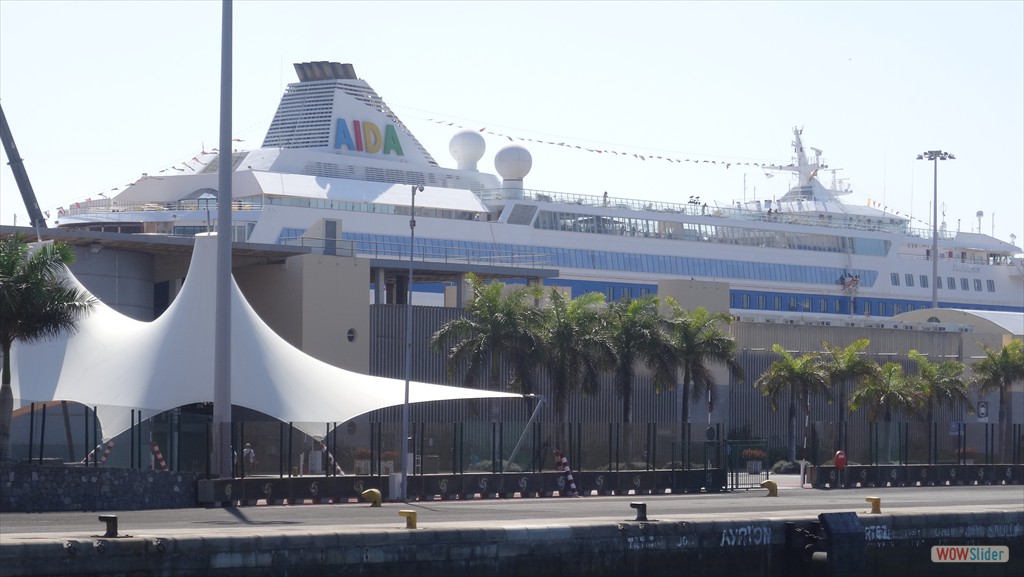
[{"x": 365, "y": 136}]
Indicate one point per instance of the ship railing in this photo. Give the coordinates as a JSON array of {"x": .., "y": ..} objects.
[
  {"x": 400, "y": 252},
  {"x": 698, "y": 208},
  {"x": 105, "y": 206}
]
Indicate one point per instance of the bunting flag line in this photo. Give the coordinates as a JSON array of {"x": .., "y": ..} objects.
[{"x": 642, "y": 157}]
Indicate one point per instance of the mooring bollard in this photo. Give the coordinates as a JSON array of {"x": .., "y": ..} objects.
[
  {"x": 410, "y": 518},
  {"x": 876, "y": 505},
  {"x": 111, "y": 521},
  {"x": 373, "y": 496},
  {"x": 641, "y": 511}
]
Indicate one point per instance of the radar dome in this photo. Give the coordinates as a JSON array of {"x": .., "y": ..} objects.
[
  {"x": 513, "y": 162},
  {"x": 467, "y": 147}
]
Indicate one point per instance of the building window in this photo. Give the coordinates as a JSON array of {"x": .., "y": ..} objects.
[
  {"x": 951, "y": 283},
  {"x": 964, "y": 285},
  {"x": 977, "y": 284},
  {"x": 895, "y": 279},
  {"x": 910, "y": 279},
  {"x": 924, "y": 281},
  {"x": 991, "y": 286}
]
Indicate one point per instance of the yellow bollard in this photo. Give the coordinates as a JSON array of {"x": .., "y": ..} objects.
[
  {"x": 410, "y": 518},
  {"x": 371, "y": 495},
  {"x": 772, "y": 486},
  {"x": 876, "y": 505}
]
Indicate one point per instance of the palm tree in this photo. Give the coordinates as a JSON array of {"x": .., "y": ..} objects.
[
  {"x": 576, "y": 348},
  {"x": 845, "y": 365},
  {"x": 700, "y": 341},
  {"x": 638, "y": 334},
  {"x": 885, "y": 392},
  {"x": 802, "y": 377},
  {"x": 942, "y": 383},
  {"x": 37, "y": 302},
  {"x": 499, "y": 327},
  {"x": 998, "y": 371}
]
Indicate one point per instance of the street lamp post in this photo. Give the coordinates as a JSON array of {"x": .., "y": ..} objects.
[
  {"x": 408, "y": 346},
  {"x": 935, "y": 156}
]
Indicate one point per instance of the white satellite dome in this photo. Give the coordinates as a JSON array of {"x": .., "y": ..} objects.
[
  {"x": 513, "y": 162},
  {"x": 467, "y": 148}
]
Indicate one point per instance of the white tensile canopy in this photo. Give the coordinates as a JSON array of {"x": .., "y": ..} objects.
[{"x": 117, "y": 364}]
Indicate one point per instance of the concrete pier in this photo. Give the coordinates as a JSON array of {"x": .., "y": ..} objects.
[{"x": 708, "y": 535}]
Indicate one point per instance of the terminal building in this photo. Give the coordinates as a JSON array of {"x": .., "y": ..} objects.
[{"x": 322, "y": 301}]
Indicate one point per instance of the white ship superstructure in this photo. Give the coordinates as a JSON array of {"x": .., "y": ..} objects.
[{"x": 335, "y": 151}]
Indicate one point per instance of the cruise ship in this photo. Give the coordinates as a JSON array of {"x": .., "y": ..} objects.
[{"x": 338, "y": 170}]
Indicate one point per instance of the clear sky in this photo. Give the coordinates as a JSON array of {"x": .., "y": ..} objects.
[{"x": 97, "y": 93}]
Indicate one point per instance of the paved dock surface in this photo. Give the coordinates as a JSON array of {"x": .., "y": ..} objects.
[{"x": 792, "y": 502}]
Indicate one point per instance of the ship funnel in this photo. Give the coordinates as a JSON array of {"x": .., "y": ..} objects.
[{"x": 322, "y": 70}]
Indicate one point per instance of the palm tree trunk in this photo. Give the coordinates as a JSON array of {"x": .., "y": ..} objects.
[
  {"x": 791, "y": 435},
  {"x": 6, "y": 405},
  {"x": 495, "y": 381},
  {"x": 67, "y": 431},
  {"x": 1004, "y": 425},
  {"x": 684, "y": 414}
]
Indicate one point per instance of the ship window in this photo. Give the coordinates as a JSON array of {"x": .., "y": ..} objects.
[
  {"x": 897, "y": 308},
  {"x": 951, "y": 283},
  {"x": 627, "y": 293},
  {"x": 895, "y": 278},
  {"x": 792, "y": 303},
  {"x": 837, "y": 306},
  {"x": 761, "y": 303},
  {"x": 977, "y": 284},
  {"x": 745, "y": 301},
  {"x": 910, "y": 279},
  {"x": 938, "y": 282},
  {"x": 991, "y": 285},
  {"x": 823, "y": 305},
  {"x": 964, "y": 285},
  {"x": 880, "y": 308},
  {"x": 807, "y": 304},
  {"x": 777, "y": 303},
  {"x": 924, "y": 281}
]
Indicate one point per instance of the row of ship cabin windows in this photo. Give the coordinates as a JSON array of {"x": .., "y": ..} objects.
[
  {"x": 965, "y": 283},
  {"x": 835, "y": 305}
]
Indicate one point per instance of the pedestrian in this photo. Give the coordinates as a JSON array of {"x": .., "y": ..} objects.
[{"x": 249, "y": 454}]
